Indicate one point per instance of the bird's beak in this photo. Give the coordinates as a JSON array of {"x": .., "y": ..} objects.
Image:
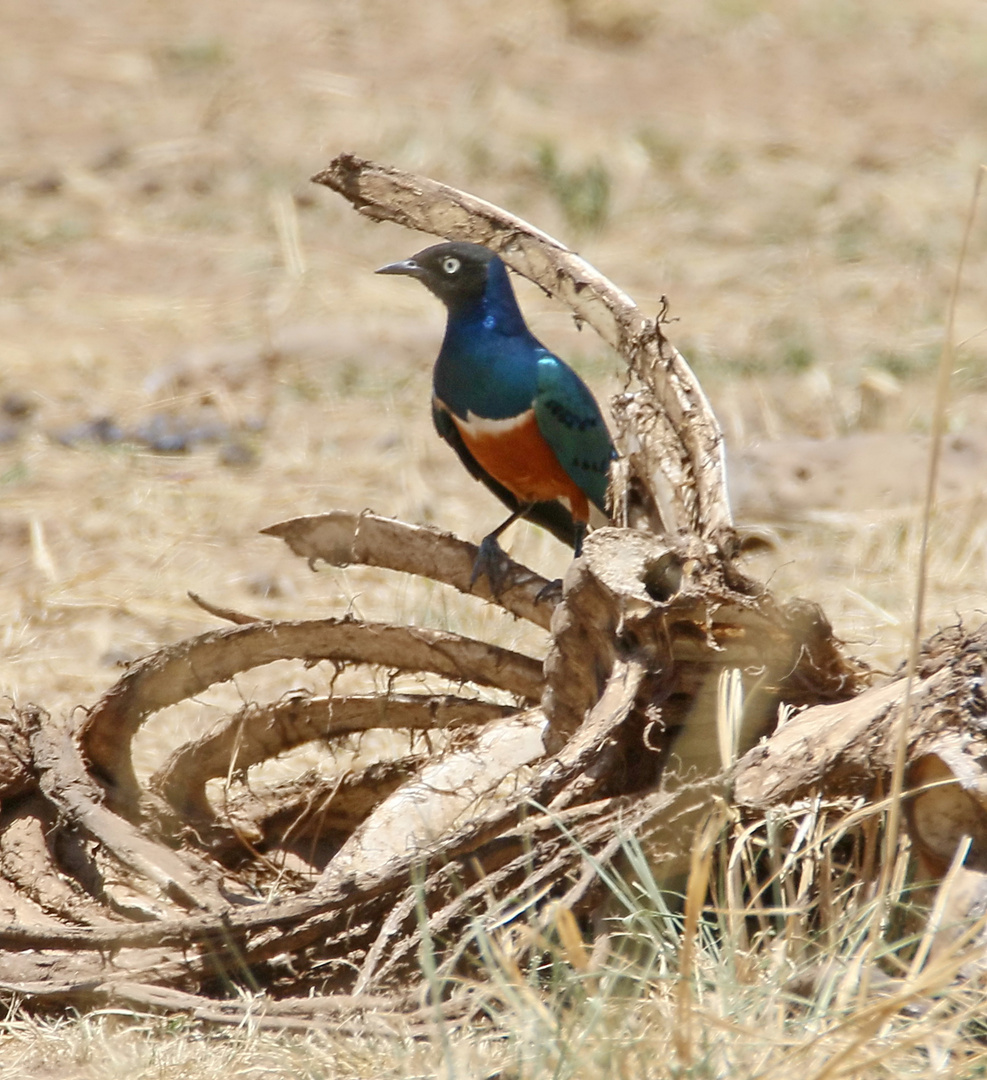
[{"x": 408, "y": 267}]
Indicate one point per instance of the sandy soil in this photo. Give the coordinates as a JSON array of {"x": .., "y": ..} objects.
[{"x": 793, "y": 178}]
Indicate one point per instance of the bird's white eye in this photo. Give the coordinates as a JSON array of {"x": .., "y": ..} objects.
[{"x": 450, "y": 264}]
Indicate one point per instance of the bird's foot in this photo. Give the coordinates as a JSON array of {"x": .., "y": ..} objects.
[
  {"x": 550, "y": 593},
  {"x": 494, "y": 562}
]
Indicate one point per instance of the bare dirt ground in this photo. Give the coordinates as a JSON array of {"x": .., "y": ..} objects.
[{"x": 794, "y": 178}]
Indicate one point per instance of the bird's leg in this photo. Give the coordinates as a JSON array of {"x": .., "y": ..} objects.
[
  {"x": 491, "y": 559},
  {"x": 552, "y": 592}
]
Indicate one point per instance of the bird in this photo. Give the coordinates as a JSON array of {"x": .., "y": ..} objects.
[{"x": 520, "y": 419}]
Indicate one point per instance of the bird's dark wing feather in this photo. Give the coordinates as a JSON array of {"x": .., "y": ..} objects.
[
  {"x": 570, "y": 421},
  {"x": 551, "y": 515}
]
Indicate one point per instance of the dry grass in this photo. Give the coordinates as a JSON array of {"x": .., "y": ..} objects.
[
  {"x": 769, "y": 985},
  {"x": 793, "y": 176}
]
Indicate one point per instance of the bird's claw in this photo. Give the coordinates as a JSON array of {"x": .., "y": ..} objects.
[
  {"x": 550, "y": 592},
  {"x": 494, "y": 562}
]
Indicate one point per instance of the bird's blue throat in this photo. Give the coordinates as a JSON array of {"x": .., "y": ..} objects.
[{"x": 488, "y": 364}]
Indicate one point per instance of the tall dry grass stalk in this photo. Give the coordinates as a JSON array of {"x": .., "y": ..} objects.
[{"x": 900, "y": 735}]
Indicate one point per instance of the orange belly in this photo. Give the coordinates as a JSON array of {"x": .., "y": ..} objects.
[{"x": 525, "y": 464}]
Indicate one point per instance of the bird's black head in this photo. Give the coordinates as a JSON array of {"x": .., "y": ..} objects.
[{"x": 456, "y": 272}]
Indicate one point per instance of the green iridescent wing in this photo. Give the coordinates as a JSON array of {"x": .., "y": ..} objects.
[{"x": 571, "y": 423}]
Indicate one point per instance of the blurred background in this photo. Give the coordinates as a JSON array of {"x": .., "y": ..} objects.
[{"x": 194, "y": 345}]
